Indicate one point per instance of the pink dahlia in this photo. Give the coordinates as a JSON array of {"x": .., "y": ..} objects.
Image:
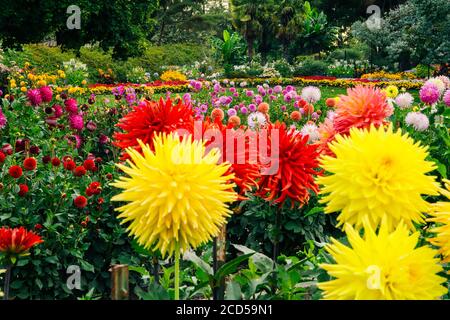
[
  {"x": 58, "y": 110},
  {"x": 447, "y": 98},
  {"x": 34, "y": 96},
  {"x": 71, "y": 106},
  {"x": 2, "y": 119},
  {"x": 76, "y": 121},
  {"x": 429, "y": 93},
  {"x": 46, "y": 93}
]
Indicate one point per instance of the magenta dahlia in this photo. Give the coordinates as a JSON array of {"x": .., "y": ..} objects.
[
  {"x": 46, "y": 93},
  {"x": 76, "y": 121},
  {"x": 34, "y": 96},
  {"x": 447, "y": 98},
  {"x": 71, "y": 106},
  {"x": 429, "y": 93}
]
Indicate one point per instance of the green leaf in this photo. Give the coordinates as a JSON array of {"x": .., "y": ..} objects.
[
  {"x": 233, "y": 291},
  {"x": 87, "y": 266},
  {"x": 246, "y": 18},
  {"x": 199, "y": 262},
  {"x": 313, "y": 211},
  {"x": 52, "y": 259},
  {"x": 140, "y": 249},
  {"x": 155, "y": 292},
  {"x": 231, "y": 266},
  {"x": 39, "y": 283},
  {"x": 226, "y": 35},
  {"x": 141, "y": 270}
]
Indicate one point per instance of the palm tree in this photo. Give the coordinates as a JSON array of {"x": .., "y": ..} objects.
[
  {"x": 290, "y": 21},
  {"x": 244, "y": 16}
]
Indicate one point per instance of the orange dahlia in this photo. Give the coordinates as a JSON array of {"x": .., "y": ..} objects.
[
  {"x": 298, "y": 165},
  {"x": 326, "y": 134},
  {"x": 361, "y": 107},
  {"x": 150, "y": 118}
]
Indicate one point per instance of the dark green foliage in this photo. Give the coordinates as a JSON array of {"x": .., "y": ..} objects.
[
  {"x": 311, "y": 67},
  {"x": 117, "y": 24},
  {"x": 255, "y": 226}
]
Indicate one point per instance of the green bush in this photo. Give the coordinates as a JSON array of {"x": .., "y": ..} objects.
[
  {"x": 310, "y": 67},
  {"x": 346, "y": 54},
  {"x": 422, "y": 71},
  {"x": 283, "y": 67},
  {"x": 48, "y": 59}
]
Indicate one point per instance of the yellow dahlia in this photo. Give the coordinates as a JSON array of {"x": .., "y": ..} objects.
[
  {"x": 176, "y": 195},
  {"x": 377, "y": 172},
  {"x": 383, "y": 266},
  {"x": 391, "y": 91},
  {"x": 440, "y": 213}
]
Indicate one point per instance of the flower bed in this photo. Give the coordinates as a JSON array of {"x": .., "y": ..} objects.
[{"x": 366, "y": 158}]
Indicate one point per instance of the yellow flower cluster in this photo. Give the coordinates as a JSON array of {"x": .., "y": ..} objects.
[
  {"x": 390, "y": 76},
  {"x": 376, "y": 180},
  {"x": 173, "y": 75}
]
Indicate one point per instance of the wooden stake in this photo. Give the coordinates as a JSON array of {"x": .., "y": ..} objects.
[{"x": 119, "y": 282}]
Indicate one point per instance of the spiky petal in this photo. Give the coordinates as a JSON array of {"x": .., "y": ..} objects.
[
  {"x": 383, "y": 266},
  {"x": 377, "y": 172},
  {"x": 175, "y": 194}
]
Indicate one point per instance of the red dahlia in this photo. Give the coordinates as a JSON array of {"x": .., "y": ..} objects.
[
  {"x": 17, "y": 240},
  {"x": 298, "y": 165},
  {"x": 79, "y": 171},
  {"x": 23, "y": 190},
  {"x": 150, "y": 118},
  {"x": 89, "y": 164},
  {"x": 80, "y": 202},
  {"x": 2, "y": 157},
  {"x": 30, "y": 164},
  {"x": 15, "y": 172},
  {"x": 69, "y": 165},
  {"x": 56, "y": 162},
  {"x": 245, "y": 171}
]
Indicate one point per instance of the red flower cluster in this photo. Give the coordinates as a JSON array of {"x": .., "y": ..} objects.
[
  {"x": 150, "y": 118},
  {"x": 298, "y": 165},
  {"x": 17, "y": 240},
  {"x": 93, "y": 188}
]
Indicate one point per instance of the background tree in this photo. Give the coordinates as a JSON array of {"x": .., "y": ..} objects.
[
  {"x": 120, "y": 24},
  {"x": 414, "y": 32},
  {"x": 244, "y": 15},
  {"x": 184, "y": 20},
  {"x": 290, "y": 23}
]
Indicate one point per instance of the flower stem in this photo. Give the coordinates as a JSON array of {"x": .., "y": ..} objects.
[
  {"x": 177, "y": 271},
  {"x": 7, "y": 282}
]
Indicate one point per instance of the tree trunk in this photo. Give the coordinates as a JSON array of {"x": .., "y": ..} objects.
[
  {"x": 161, "y": 32},
  {"x": 250, "y": 49}
]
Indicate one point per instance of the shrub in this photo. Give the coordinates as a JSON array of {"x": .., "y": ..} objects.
[
  {"x": 311, "y": 67},
  {"x": 283, "y": 67},
  {"x": 154, "y": 58}
]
